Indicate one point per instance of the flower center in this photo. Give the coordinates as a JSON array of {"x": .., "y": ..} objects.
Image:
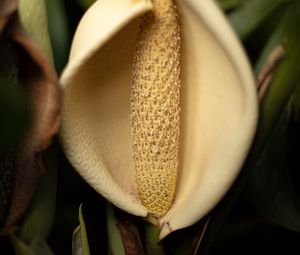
[{"x": 155, "y": 107}]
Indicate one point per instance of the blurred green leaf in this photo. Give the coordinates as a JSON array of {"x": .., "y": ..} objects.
[
  {"x": 231, "y": 4},
  {"x": 270, "y": 188},
  {"x": 37, "y": 246},
  {"x": 252, "y": 14},
  {"x": 114, "y": 236},
  {"x": 286, "y": 78},
  {"x": 85, "y": 3},
  {"x": 58, "y": 30},
  {"x": 14, "y": 113},
  {"x": 80, "y": 239},
  {"x": 20, "y": 247},
  {"x": 40, "y": 215},
  {"x": 275, "y": 39}
]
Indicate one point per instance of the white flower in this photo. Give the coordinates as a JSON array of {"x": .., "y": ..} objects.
[{"x": 218, "y": 107}]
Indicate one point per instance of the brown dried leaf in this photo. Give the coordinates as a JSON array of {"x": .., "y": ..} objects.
[
  {"x": 129, "y": 233},
  {"x": 266, "y": 75},
  {"x": 37, "y": 75},
  {"x": 7, "y": 7}
]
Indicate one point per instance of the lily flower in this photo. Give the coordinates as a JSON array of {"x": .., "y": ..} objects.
[{"x": 206, "y": 134}]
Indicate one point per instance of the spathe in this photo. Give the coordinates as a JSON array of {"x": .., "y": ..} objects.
[{"x": 218, "y": 102}]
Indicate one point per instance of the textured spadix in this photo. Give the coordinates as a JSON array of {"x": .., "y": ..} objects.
[
  {"x": 218, "y": 107},
  {"x": 155, "y": 107}
]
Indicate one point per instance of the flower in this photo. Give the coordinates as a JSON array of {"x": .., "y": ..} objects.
[{"x": 217, "y": 100}]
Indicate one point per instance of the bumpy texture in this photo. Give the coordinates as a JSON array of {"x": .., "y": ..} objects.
[{"x": 155, "y": 107}]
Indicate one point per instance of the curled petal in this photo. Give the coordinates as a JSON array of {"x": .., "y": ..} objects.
[{"x": 96, "y": 82}]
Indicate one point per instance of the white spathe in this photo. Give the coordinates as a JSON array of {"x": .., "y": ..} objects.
[{"x": 218, "y": 102}]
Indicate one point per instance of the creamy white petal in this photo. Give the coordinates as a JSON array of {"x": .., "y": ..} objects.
[
  {"x": 219, "y": 115},
  {"x": 218, "y": 101},
  {"x": 95, "y": 116}
]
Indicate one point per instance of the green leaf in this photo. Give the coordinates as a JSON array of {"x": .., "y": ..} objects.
[
  {"x": 59, "y": 33},
  {"x": 39, "y": 246},
  {"x": 34, "y": 18},
  {"x": 275, "y": 197},
  {"x": 286, "y": 78},
  {"x": 84, "y": 238},
  {"x": 14, "y": 113},
  {"x": 80, "y": 244},
  {"x": 114, "y": 237},
  {"x": 230, "y": 4},
  {"x": 252, "y": 14},
  {"x": 270, "y": 188},
  {"x": 276, "y": 39},
  {"x": 36, "y": 247},
  {"x": 20, "y": 247},
  {"x": 85, "y": 3}
]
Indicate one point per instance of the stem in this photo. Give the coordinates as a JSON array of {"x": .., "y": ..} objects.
[{"x": 152, "y": 245}]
